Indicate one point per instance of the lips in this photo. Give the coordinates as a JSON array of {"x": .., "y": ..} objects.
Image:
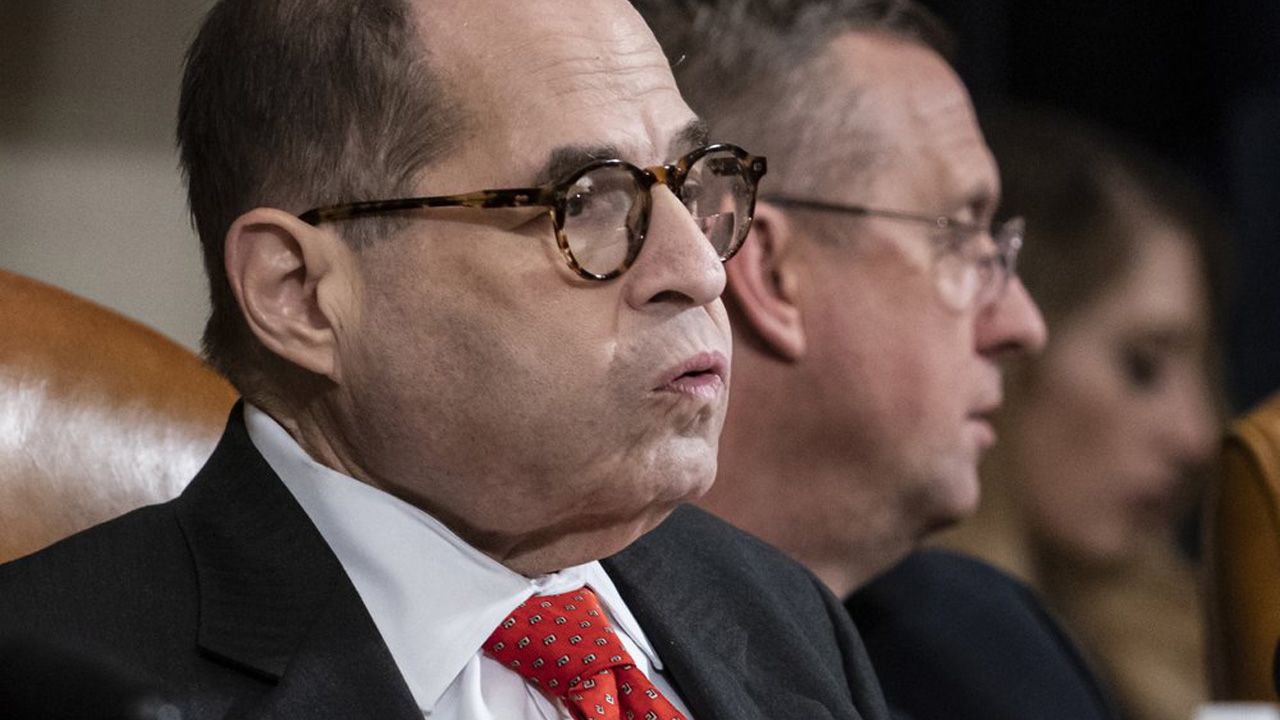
[
  {"x": 983, "y": 419},
  {"x": 702, "y": 375},
  {"x": 985, "y": 431}
]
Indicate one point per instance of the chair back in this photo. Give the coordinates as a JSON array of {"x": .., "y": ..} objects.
[
  {"x": 1242, "y": 556},
  {"x": 98, "y": 415}
]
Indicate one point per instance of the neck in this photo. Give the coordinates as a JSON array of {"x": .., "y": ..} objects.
[
  {"x": 549, "y": 544},
  {"x": 781, "y": 480},
  {"x": 998, "y": 532}
]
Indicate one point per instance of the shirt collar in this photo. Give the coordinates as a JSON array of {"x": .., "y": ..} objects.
[{"x": 433, "y": 597}]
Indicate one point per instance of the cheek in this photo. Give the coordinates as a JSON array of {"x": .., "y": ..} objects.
[
  {"x": 867, "y": 312},
  {"x": 473, "y": 353},
  {"x": 929, "y": 374},
  {"x": 1072, "y": 444},
  {"x": 895, "y": 364}
]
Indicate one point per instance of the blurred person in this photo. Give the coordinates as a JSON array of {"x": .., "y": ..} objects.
[
  {"x": 1103, "y": 431},
  {"x": 466, "y": 262}
]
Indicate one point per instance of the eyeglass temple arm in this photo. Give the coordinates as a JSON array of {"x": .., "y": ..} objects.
[{"x": 502, "y": 198}]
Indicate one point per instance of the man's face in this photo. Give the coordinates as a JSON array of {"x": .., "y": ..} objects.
[
  {"x": 485, "y": 380},
  {"x": 908, "y": 382}
]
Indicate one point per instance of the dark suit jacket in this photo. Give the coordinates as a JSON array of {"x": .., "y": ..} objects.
[
  {"x": 955, "y": 638},
  {"x": 229, "y": 600}
]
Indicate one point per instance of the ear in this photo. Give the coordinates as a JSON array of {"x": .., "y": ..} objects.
[
  {"x": 762, "y": 279},
  {"x": 293, "y": 282}
]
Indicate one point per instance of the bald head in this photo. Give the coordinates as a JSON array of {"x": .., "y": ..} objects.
[{"x": 497, "y": 56}]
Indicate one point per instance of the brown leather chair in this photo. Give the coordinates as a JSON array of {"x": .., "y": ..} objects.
[
  {"x": 98, "y": 415},
  {"x": 1242, "y": 535}
]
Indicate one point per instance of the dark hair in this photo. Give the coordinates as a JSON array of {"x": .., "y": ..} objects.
[
  {"x": 297, "y": 103},
  {"x": 1087, "y": 194},
  {"x": 753, "y": 70}
]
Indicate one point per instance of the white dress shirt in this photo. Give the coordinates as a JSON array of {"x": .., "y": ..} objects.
[{"x": 433, "y": 597}]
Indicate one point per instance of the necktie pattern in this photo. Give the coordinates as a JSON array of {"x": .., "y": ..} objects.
[{"x": 565, "y": 645}]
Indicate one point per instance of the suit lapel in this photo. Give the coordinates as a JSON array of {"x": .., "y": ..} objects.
[
  {"x": 729, "y": 642},
  {"x": 274, "y": 600},
  {"x": 704, "y": 653},
  {"x": 341, "y": 670}
]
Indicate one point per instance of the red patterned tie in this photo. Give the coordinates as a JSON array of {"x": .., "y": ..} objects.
[{"x": 565, "y": 646}]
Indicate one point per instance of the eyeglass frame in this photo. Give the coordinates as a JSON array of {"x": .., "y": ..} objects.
[
  {"x": 554, "y": 195},
  {"x": 1013, "y": 229}
]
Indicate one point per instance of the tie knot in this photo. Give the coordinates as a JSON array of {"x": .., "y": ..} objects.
[{"x": 558, "y": 642}]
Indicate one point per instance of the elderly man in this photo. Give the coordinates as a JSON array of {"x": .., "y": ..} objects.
[
  {"x": 871, "y": 309},
  {"x": 481, "y": 349}
]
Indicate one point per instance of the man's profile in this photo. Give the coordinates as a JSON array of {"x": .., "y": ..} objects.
[
  {"x": 878, "y": 294},
  {"x": 466, "y": 264},
  {"x": 872, "y": 309}
]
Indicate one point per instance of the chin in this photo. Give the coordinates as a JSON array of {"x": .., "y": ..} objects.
[
  {"x": 657, "y": 485},
  {"x": 956, "y": 498},
  {"x": 697, "y": 474},
  {"x": 966, "y": 504},
  {"x": 681, "y": 485},
  {"x": 665, "y": 490},
  {"x": 685, "y": 465}
]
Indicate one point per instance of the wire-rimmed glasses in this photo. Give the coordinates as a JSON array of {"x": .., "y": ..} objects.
[{"x": 971, "y": 276}]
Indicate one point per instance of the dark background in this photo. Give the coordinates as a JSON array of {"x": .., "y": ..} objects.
[{"x": 1195, "y": 81}]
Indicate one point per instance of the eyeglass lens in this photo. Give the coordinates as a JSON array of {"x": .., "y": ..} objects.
[
  {"x": 606, "y": 210},
  {"x": 979, "y": 278}
]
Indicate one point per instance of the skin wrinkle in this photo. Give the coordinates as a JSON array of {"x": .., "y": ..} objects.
[
  {"x": 621, "y": 58},
  {"x": 570, "y": 158},
  {"x": 570, "y": 74}
]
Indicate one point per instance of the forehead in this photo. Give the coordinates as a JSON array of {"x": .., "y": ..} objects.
[
  {"x": 931, "y": 149},
  {"x": 1164, "y": 286},
  {"x": 535, "y": 78}
]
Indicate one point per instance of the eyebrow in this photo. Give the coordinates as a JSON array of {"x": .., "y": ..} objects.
[
  {"x": 568, "y": 158},
  {"x": 694, "y": 135},
  {"x": 984, "y": 203}
]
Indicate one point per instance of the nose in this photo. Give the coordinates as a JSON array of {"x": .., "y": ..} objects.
[
  {"x": 1011, "y": 324},
  {"x": 677, "y": 265}
]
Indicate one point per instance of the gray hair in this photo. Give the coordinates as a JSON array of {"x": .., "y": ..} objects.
[{"x": 756, "y": 69}]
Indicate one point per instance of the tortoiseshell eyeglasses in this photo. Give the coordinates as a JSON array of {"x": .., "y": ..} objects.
[{"x": 601, "y": 211}]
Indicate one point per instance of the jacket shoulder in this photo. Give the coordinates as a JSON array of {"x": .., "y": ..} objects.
[
  {"x": 113, "y": 577},
  {"x": 695, "y": 567},
  {"x": 701, "y": 537},
  {"x": 979, "y": 638}
]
